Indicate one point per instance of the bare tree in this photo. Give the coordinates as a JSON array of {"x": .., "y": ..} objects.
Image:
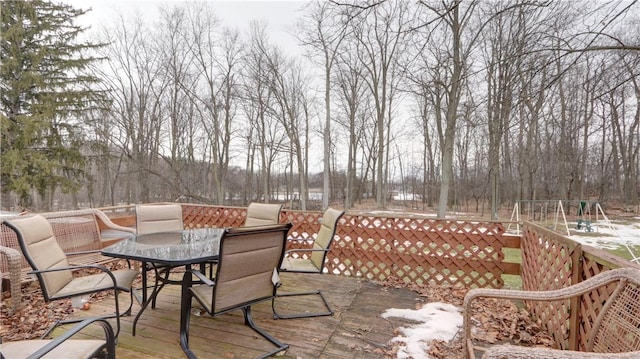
[
  {"x": 268, "y": 136},
  {"x": 354, "y": 104},
  {"x": 289, "y": 88},
  {"x": 322, "y": 31},
  {"x": 217, "y": 56},
  {"x": 132, "y": 76},
  {"x": 381, "y": 33}
]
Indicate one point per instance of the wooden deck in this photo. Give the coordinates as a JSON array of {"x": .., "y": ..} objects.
[{"x": 355, "y": 331}]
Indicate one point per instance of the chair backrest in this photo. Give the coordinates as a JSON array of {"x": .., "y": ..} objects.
[
  {"x": 617, "y": 328},
  {"x": 249, "y": 261},
  {"x": 154, "y": 218},
  {"x": 42, "y": 251},
  {"x": 260, "y": 214},
  {"x": 325, "y": 236}
]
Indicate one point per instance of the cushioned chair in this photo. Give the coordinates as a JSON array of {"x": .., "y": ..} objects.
[
  {"x": 259, "y": 214},
  {"x": 613, "y": 333},
  {"x": 311, "y": 261},
  {"x": 51, "y": 267},
  {"x": 63, "y": 346},
  {"x": 154, "y": 218},
  {"x": 246, "y": 274}
]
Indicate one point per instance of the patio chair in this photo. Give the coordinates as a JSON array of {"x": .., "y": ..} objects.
[
  {"x": 614, "y": 331},
  {"x": 259, "y": 214},
  {"x": 311, "y": 260},
  {"x": 154, "y": 218},
  {"x": 246, "y": 274},
  {"x": 63, "y": 346},
  {"x": 55, "y": 275},
  {"x": 80, "y": 233}
]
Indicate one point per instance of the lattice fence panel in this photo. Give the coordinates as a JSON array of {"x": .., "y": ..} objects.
[
  {"x": 420, "y": 250},
  {"x": 547, "y": 265},
  {"x": 201, "y": 216},
  {"x": 305, "y": 224}
]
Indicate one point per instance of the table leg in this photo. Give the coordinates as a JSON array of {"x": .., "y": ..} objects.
[
  {"x": 185, "y": 312},
  {"x": 150, "y": 299}
]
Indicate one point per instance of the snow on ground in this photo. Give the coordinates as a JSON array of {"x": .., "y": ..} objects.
[
  {"x": 609, "y": 235},
  {"x": 434, "y": 321}
]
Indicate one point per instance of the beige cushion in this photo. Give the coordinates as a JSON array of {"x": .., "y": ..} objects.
[
  {"x": 43, "y": 250},
  {"x": 245, "y": 269},
  {"x": 260, "y": 214},
  {"x": 325, "y": 235},
  {"x": 153, "y": 218},
  {"x": 67, "y": 350},
  {"x": 97, "y": 282},
  {"x": 299, "y": 265}
]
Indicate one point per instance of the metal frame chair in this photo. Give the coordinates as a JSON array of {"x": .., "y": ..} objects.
[
  {"x": 80, "y": 233},
  {"x": 246, "y": 274},
  {"x": 154, "y": 218},
  {"x": 51, "y": 267},
  {"x": 260, "y": 214},
  {"x": 313, "y": 262},
  {"x": 63, "y": 346}
]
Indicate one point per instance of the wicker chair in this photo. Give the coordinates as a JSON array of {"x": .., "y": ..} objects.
[
  {"x": 51, "y": 266},
  {"x": 63, "y": 346},
  {"x": 312, "y": 262},
  {"x": 246, "y": 274},
  {"x": 260, "y": 214},
  {"x": 12, "y": 261},
  {"x": 614, "y": 333}
]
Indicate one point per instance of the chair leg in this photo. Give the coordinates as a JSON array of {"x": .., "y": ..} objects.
[
  {"x": 277, "y": 315},
  {"x": 185, "y": 317},
  {"x": 248, "y": 320}
]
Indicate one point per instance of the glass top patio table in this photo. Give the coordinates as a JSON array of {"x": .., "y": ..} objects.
[
  {"x": 177, "y": 248},
  {"x": 186, "y": 247}
]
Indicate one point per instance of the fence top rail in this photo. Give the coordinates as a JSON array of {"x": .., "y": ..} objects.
[
  {"x": 606, "y": 259},
  {"x": 565, "y": 241}
]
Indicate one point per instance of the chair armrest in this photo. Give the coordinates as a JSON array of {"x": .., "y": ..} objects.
[
  {"x": 108, "y": 333},
  {"x": 84, "y": 266},
  {"x": 107, "y": 221},
  {"x": 306, "y": 250},
  {"x": 82, "y": 252},
  {"x": 518, "y": 352},
  {"x": 572, "y": 291},
  {"x": 583, "y": 287},
  {"x": 14, "y": 260},
  {"x": 72, "y": 268},
  {"x": 203, "y": 277}
]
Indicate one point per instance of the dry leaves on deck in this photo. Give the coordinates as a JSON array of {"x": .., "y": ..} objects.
[
  {"x": 34, "y": 316},
  {"x": 495, "y": 321}
]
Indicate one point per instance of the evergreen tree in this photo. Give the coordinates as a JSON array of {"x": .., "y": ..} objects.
[{"x": 44, "y": 89}]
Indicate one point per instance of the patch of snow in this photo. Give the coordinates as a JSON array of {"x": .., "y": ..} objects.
[
  {"x": 435, "y": 321},
  {"x": 610, "y": 235}
]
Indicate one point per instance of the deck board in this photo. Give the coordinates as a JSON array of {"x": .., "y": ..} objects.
[{"x": 356, "y": 330}]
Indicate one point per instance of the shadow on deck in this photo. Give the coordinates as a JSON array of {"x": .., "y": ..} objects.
[{"x": 356, "y": 330}]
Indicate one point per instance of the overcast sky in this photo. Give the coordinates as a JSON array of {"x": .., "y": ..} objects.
[{"x": 280, "y": 15}]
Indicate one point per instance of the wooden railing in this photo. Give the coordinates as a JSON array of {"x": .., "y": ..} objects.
[{"x": 415, "y": 249}]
